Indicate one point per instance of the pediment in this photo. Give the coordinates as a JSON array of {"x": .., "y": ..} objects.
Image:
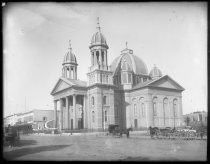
[
  {"x": 166, "y": 82},
  {"x": 61, "y": 85}
]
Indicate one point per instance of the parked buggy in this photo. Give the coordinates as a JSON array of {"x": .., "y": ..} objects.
[
  {"x": 172, "y": 133},
  {"x": 112, "y": 128},
  {"x": 115, "y": 130}
]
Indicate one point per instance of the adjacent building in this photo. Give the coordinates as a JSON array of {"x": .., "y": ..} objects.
[
  {"x": 37, "y": 117},
  {"x": 11, "y": 119},
  {"x": 195, "y": 117},
  {"x": 123, "y": 93}
]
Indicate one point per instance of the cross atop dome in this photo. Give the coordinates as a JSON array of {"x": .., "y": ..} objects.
[
  {"x": 98, "y": 38},
  {"x": 126, "y": 50},
  {"x": 70, "y": 45},
  {"x": 98, "y": 25}
]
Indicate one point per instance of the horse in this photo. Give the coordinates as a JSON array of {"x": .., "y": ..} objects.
[
  {"x": 126, "y": 131},
  {"x": 120, "y": 132},
  {"x": 153, "y": 131}
]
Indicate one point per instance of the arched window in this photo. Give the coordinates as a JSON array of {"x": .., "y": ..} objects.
[
  {"x": 119, "y": 79},
  {"x": 141, "y": 107},
  {"x": 124, "y": 78},
  {"x": 143, "y": 110},
  {"x": 135, "y": 112},
  {"x": 93, "y": 116},
  {"x": 72, "y": 73},
  {"x": 155, "y": 106},
  {"x": 67, "y": 72},
  {"x": 104, "y": 100},
  {"x": 124, "y": 66},
  {"x": 92, "y": 58},
  {"x": 129, "y": 78},
  {"x": 97, "y": 57},
  {"x": 105, "y": 113},
  {"x": 92, "y": 100},
  {"x": 102, "y": 54},
  {"x": 175, "y": 108}
]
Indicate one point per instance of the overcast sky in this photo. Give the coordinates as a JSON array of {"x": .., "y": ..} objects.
[{"x": 35, "y": 39}]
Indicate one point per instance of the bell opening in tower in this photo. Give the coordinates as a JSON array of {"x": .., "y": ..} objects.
[
  {"x": 102, "y": 54},
  {"x": 97, "y": 56},
  {"x": 72, "y": 73},
  {"x": 68, "y": 71}
]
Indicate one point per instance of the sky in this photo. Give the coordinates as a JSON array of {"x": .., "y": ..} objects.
[{"x": 171, "y": 35}]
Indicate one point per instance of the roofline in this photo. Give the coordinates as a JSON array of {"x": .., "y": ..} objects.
[
  {"x": 178, "y": 90},
  {"x": 68, "y": 82},
  {"x": 169, "y": 78},
  {"x": 69, "y": 63},
  {"x": 100, "y": 84}
]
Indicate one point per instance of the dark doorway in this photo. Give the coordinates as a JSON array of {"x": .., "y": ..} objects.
[
  {"x": 80, "y": 123},
  {"x": 71, "y": 124},
  {"x": 135, "y": 123}
]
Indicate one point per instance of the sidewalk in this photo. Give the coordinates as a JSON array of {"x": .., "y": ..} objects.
[{"x": 133, "y": 133}]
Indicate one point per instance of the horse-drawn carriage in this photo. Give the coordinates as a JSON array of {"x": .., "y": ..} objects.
[
  {"x": 115, "y": 130},
  {"x": 11, "y": 135}
]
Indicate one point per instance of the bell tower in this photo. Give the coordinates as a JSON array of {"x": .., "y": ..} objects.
[
  {"x": 98, "y": 49},
  {"x": 100, "y": 83},
  {"x": 69, "y": 69},
  {"x": 99, "y": 71}
]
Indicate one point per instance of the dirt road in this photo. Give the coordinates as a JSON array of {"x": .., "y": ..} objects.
[{"x": 141, "y": 148}]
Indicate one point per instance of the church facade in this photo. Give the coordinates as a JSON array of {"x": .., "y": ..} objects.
[{"x": 122, "y": 93}]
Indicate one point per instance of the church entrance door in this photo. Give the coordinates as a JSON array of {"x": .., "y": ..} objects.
[
  {"x": 135, "y": 123},
  {"x": 72, "y": 124},
  {"x": 80, "y": 124}
]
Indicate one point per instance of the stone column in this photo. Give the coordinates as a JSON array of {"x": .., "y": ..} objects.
[
  {"x": 65, "y": 72},
  {"x": 84, "y": 112},
  {"x": 55, "y": 112},
  {"x": 105, "y": 58},
  {"x": 67, "y": 112},
  {"x": 74, "y": 111},
  {"x": 158, "y": 111},
  {"x": 75, "y": 73},
  {"x": 179, "y": 107},
  {"x": 62, "y": 72},
  {"x": 92, "y": 57},
  {"x": 169, "y": 109},
  {"x": 61, "y": 110}
]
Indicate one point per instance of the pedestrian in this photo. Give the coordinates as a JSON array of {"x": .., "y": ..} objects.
[{"x": 11, "y": 136}]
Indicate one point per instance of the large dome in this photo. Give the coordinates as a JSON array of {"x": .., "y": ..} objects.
[{"x": 136, "y": 64}]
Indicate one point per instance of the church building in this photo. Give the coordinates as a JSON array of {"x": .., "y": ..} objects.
[{"x": 122, "y": 93}]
